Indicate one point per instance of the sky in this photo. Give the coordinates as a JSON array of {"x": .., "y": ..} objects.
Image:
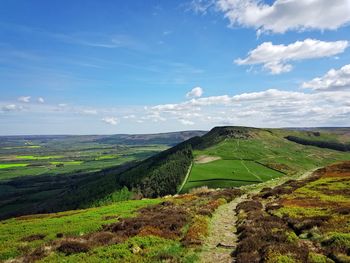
[{"x": 149, "y": 66}]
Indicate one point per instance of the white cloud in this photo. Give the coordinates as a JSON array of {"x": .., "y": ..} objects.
[
  {"x": 195, "y": 92},
  {"x": 154, "y": 116},
  {"x": 267, "y": 108},
  {"x": 24, "y": 99},
  {"x": 89, "y": 111},
  {"x": 224, "y": 99},
  {"x": 62, "y": 105},
  {"x": 131, "y": 116},
  {"x": 186, "y": 122},
  {"x": 200, "y": 6},
  {"x": 10, "y": 107},
  {"x": 275, "y": 58},
  {"x": 110, "y": 120},
  {"x": 286, "y": 15},
  {"x": 333, "y": 80},
  {"x": 41, "y": 100}
]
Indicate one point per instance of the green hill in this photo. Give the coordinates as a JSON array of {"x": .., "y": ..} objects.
[
  {"x": 234, "y": 156},
  {"x": 231, "y": 157}
]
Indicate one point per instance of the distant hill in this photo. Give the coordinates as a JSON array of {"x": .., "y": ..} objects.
[{"x": 170, "y": 138}]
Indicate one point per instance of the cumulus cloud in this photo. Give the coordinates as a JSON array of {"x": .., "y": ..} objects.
[
  {"x": 267, "y": 108},
  {"x": 334, "y": 79},
  {"x": 275, "y": 58},
  {"x": 110, "y": 120},
  {"x": 24, "y": 99},
  {"x": 285, "y": 15},
  {"x": 41, "y": 100},
  {"x": 195, "y": 93}
]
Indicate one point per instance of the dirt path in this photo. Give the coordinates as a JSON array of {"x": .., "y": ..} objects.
[
  {"x": 206, "y": 159},
  {"x": 185, "y": 180},
  {"x": 222, "y": 238}
]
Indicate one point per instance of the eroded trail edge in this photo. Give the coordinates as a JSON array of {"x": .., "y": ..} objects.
[{"x": 222, "y": 238}]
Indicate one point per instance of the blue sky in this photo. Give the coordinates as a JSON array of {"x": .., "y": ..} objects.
[{"x": 87, "y": 67}]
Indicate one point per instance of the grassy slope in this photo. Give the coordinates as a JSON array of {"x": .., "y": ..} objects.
[
  {"x": 165, "y": 230},
  {"x": 267, "y": 147},
  {"x": 225, "y": 173},
  {"x": 76, "y": 222}
]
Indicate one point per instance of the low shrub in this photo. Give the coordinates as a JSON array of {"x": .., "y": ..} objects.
[
  {"x": 165, "y": 219},
  {"x": 249, "y": 206},
  {"x": 197, "y": 231},
  {"x": 318, "y": 258},
  {"x": 69, "y": 247},
  {"x": 33, "y": 237}
]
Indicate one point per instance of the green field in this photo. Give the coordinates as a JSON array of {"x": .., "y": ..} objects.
[
  {"x": 21, "y": 147},
  {"x": 228, "y": 173},
  {"x": 68, "y": 163},
  {"x": 12, "y": 165},
  {"x": 234, "y": 170},
  {"x": 265, "y": 155},
  {"x": 67, "y": 156},
  {"x": 31, "y": 157}
]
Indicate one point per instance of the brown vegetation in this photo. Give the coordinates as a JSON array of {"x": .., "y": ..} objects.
[
  {"x": 69, "y": 247},
  {"x": 298, "y": 221},
  {"x": 182, "y": 218},
  {"x": 166, "y": 220},
  {"x": 34, "y": 237}
]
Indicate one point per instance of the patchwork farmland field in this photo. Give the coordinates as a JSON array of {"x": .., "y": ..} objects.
[
  {"x": 229, "y": 173},
  {"x": 78, "y": 157}
]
